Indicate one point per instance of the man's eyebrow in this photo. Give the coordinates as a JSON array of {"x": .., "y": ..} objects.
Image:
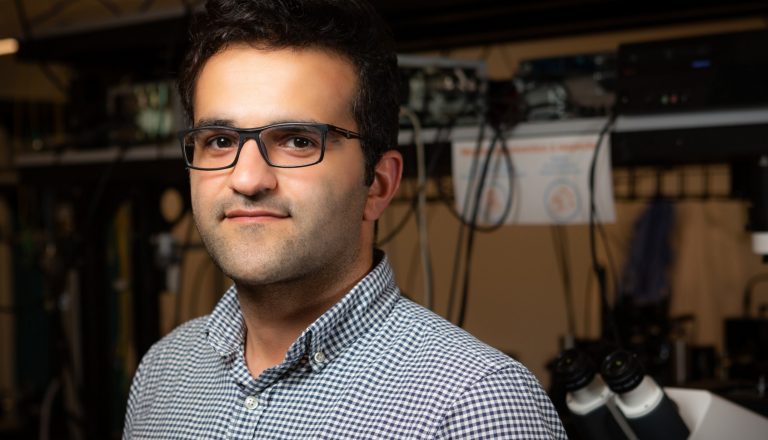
[
  {"x": 231, "y": 124},
  {"x": 219, "y": 122}
]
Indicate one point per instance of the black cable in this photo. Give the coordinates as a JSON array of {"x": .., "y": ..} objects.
[
  {"x": 451, "y": 206},
  {"x": 471, "y": 236},
  {"x": 431, "y": 167},
  {"x": 501, "y": 221},
  {"x": 472, "y": 224},
  {"x": 461, "y": 217},
  {"x": 608, "y": 320},
  {"x": 443, "y": 134},
  {"x": 587, "y": 300},
  {"x": 613, "y": 271},
  {"x": 400, "y": 225},
  {"x": 560, "y": 241},
  {"x": 462, "y": 222}
]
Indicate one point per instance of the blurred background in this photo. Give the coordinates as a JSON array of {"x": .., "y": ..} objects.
[{"x": 99, "y": 257}]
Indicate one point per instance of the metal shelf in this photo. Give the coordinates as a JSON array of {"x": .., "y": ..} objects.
[{"x": 98, "y": 156}]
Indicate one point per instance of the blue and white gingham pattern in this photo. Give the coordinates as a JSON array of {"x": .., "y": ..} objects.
[{"x": 375, "y": 365}]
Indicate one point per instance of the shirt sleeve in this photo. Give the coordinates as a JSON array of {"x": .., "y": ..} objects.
[{"x": 506, "y": 404}]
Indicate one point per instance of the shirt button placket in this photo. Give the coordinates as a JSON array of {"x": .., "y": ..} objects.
[
  {"x": 252, "y": 407},
  {"x": 251, "y": 402}
]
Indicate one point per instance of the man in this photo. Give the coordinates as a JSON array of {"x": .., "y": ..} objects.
[{"x": 294, "y": 109}]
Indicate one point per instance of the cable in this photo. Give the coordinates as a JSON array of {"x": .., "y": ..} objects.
[
  {"x": 400, "y": 224},
  {"x": 588, "y": 301},
  {"x": 461, "y": 217},
  {"x": 421, "y": 207},
  {"x": 501, "y": 221},
  {"x": 608, "y": 321},
  {"x": 434, "y": 160},
  {"x": 560, "y": 241},
  {"x": 613, "y": 272},
  {"x": 500, "y": 139},
  {"x": 472, "y": 228}
]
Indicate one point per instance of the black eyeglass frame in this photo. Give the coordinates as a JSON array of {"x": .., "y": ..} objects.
[{"x": 255, "y": 133}]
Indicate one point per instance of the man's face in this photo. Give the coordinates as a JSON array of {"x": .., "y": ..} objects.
[{"x": 265, "y": 225}]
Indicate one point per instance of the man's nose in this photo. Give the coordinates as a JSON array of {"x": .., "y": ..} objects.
[{"x": 252, "y": 174}]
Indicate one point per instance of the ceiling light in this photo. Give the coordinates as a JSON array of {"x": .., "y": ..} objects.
[{"x": 8, "y": 46}]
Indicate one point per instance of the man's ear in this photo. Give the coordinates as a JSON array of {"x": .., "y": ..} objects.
[{"x": 386, "y": 181}]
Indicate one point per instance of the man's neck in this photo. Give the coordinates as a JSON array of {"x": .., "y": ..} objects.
[{"x": 275, "y": 316}]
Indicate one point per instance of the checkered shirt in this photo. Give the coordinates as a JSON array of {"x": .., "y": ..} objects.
[{"x": 375, "y": 365}]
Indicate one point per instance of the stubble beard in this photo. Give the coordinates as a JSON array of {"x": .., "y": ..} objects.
[{"x": 312, "y": 256}]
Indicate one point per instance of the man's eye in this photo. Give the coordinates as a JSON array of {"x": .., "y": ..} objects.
[
  {"x": 300, "y": 142},
  {"x": 221, "y": 142}
]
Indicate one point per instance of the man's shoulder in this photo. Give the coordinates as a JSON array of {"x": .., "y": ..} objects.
[
  {"x": 424, "y": 323},
  {"x": 461, "y": 377},
  {"x": 437, "y": 343}
]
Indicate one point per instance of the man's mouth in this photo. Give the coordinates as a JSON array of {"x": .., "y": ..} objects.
[{"x": 253, "y": 215}]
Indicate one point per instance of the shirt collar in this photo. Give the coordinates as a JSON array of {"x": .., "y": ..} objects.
[
  {"x": 226, "y": 327},
  {"x": 367, "y": 304}
]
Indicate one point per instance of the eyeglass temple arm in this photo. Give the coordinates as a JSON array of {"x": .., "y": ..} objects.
[{"x": 347, "y": 133}]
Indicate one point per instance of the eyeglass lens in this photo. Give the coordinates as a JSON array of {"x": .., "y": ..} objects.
[{"x": 284, "y": 145}]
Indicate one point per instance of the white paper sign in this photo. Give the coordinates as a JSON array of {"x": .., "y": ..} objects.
[{"x": 548, "y": 183}]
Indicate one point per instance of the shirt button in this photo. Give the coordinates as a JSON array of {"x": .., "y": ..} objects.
[
  {"x": 319, "y": 357},
  {"x": 251, "y": 402}
]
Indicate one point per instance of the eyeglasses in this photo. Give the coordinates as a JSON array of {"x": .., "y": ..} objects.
[{"x": 284, "y": 145}]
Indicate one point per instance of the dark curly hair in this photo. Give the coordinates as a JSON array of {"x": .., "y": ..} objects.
[{"x": 350, "y": 28}]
